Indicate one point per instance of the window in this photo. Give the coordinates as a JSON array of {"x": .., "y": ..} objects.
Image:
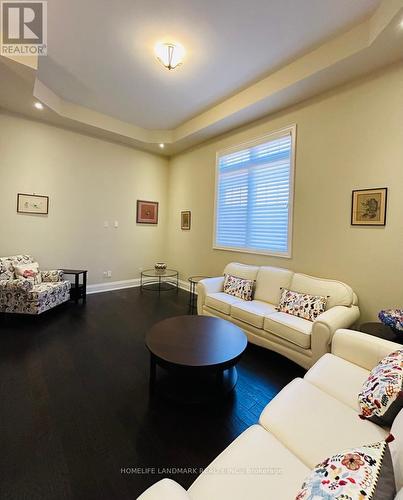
[{"x": 254, "y": 195}]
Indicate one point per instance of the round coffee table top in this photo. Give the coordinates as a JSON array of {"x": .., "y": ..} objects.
[{"x": 197, "y": 341}]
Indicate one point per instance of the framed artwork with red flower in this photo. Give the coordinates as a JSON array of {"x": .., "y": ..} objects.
[{"x": 147, "y": 212}]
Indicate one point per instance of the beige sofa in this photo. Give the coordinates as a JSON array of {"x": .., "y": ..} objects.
[
  {"x": 309, "y": 420},
  {"x": 298, "y": 339}
]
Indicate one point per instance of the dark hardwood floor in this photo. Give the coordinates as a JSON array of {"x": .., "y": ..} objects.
[{"x": 75, "y": 410}]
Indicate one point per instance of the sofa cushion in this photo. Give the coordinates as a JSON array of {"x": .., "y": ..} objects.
[
  {"x": 381, "y": 397},
  {"x": 314, "y": 425},
  {"x": 339, "y": 378},
  {"x": 166, "y": 489},
  {"x": 28, "y": 271},
  {"x": 256, "y": 465},
  {"x": 295, "y": 330},
  {"x": 238, "y": 287},
  {"x": 7, "y": 265},
  {"x": 338, "y": 293},
  {"x": 269, "y": 281},
  {"x": 356, "y": 473},
  {"x": 252, "y": 312},
  {"x": 221, "y": 301},
  {"x": 396, "y": 449},
  {"x": 241, "y": 270},
  {"x": 303, "y": 305}
]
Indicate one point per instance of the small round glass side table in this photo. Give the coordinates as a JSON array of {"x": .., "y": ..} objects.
[
  {"x": 193, "y": 280},
  {"x": 159, "y": 281}
]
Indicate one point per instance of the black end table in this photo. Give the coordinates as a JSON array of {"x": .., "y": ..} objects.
[
  {"x": 193, "y": 280},
  {"x": 78, "y": 290},
  {"x": 381, "y": 331}
]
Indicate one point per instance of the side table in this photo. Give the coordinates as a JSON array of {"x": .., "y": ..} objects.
[
  {"x": 159, "y": 281},
  {"x": 381, "y": 331},
  {"x": 193, "y": 280},
  {"x": 78, "y": 290}
]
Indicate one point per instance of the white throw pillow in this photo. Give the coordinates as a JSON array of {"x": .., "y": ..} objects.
[{"x": 28, "y": 271}]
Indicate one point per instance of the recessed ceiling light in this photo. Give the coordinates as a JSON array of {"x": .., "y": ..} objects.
[
  {"x": 169, "y": 54},
  {"x": 38, "y": 105},
  {"x": 401, "y": 24},
  {"x": 162, "y": 146}
]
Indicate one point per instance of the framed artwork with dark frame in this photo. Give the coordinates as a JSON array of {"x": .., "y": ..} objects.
[
  {"x": 32, "y": 204},
  {"x": 147, "y": 212},
  {"x": 185, "y": 220},
  {"x": 368, "y": 207}
]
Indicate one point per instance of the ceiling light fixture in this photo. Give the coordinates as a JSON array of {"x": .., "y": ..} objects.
[
  {"x": 162, "y": 146},
  {"x": 169, "y": 54},
  {"x": 38, "y": 105}
]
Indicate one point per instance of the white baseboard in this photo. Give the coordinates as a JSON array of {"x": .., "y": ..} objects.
[
  {"x": 119, "y": 285},
  {"x": 112, "y": 285}
]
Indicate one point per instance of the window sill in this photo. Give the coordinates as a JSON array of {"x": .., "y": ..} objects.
[{"x": 255, "y": 252}]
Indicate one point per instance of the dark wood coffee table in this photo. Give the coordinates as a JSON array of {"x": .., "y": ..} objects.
[{"x": 199, "y": 354}]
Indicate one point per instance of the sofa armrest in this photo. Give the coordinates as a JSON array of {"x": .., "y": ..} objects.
[
  {"x": 327, "y": 323},
  {"x": 208, "y": 285},
  {"x": 360, "y": 348},
  {"x": 52, "y": 276},
  {"x": 166, "y": 489},
  {"x": 18, "y": 285}
]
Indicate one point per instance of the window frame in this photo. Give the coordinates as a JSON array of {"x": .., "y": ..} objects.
[{"x": 292, "y": 131}]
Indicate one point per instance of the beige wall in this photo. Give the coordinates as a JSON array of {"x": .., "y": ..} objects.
[
  {"x": 347, "y": 139},
  {"x": 89, "y": 181}
]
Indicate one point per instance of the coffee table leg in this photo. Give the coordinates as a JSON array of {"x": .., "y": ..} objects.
[{"x": 153, "y": 372}]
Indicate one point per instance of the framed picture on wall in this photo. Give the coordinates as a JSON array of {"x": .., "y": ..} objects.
[
  {"x": 368, "y": 207},
  {"x": 185, "y": 220},
  {"x": 32, "y": 204},
  {"x": 147, "y": 212}
]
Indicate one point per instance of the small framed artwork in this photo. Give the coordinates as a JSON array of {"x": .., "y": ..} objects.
[
  {"x": 368, "y": 207},
  {"x": 32, "y": 204},
  {"x": 185, "y": 220},
  {"x": 147, "y": 212}
]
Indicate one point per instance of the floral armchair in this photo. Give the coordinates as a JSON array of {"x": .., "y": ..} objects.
[{"x": 24, "y": 296}]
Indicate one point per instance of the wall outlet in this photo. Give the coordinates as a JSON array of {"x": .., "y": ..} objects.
[
  {"x": 116, "y": 224},
  {"x": 105, "y": 273},
  {"x": 109, "y": 274}
]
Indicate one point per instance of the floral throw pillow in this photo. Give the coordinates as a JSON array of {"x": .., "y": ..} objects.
[
  {"x": 357, "y": 474},
  {"x": 303, "y": 305},
  {"x": 381, "y": 397},
  {"x": 29, "y": 272},
  {"x": 238, "y": 287}
]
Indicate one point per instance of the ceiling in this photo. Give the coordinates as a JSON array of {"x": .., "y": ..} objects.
[
  {"x": 101, "y": 53},
  {"x": 244, "y": 60}
]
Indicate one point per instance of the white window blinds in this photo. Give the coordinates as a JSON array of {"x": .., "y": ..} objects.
[{"x": 254, "y": 196}]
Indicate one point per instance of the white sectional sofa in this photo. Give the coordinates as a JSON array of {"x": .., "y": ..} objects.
[
  {"x": 309, "y": 420},
  {"x": 298, "y": 339}
]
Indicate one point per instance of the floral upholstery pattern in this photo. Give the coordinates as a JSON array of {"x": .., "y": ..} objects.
[
  {"x": 25, "y": 297},
  {"x": 365, "y": 472},
  {"x": 303, "y": 305},
  {"x": 381, "y": 397},
  {"x": 52, "y": 276},
  {"x": 392, "y": 318},
  {"x": 238, "y": 287}
]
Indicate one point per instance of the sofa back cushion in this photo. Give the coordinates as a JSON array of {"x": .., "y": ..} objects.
[
  {"x": 338, "y": 293},
  {"x": 7, "y": 265},
  {"x": 241, "y": 270},
  {"x": 269, "y": 281}
]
